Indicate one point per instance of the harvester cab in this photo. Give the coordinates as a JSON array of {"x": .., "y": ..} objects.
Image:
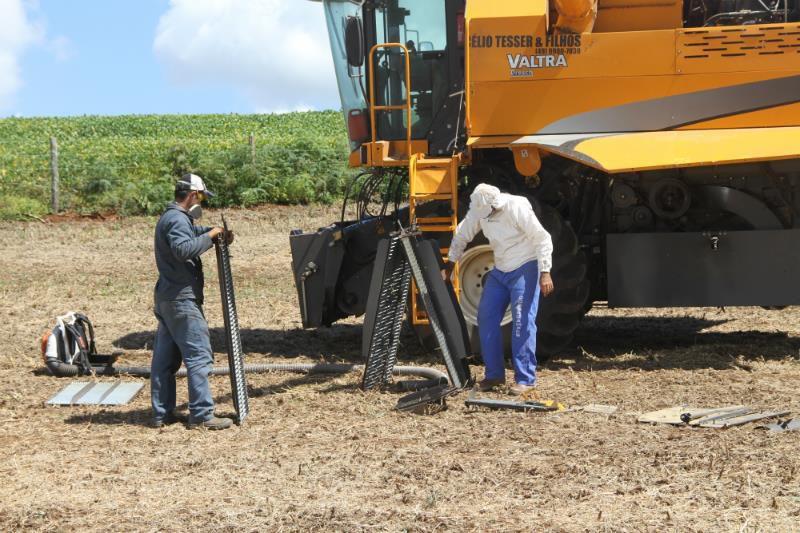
[
  {"x": 400, "y": 70},
  {"x": 658, "y": 141}
]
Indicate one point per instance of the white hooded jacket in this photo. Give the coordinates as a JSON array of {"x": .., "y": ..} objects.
[{"x": 513, "y": 231}]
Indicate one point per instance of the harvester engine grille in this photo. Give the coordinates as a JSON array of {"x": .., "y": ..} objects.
[
  {"x": 389, "y": 287},
  {"x": 734, "y": 48},
  {"x": 232, "y": 335}
]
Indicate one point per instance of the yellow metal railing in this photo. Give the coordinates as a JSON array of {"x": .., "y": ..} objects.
[{"x": 373, "y": 109}]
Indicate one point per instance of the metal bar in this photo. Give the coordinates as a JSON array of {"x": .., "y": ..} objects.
[
  {"x": 472, "y": 401},
  {"x": 714, "y": 418},
  {"x": 507, "y": 404},
  {"x": 683, "y": 414},
  {"x": 742, "y": 419},
  {"x": 434, "y": 220},
  {"x": 429, "y": 396},
  {"x": 436, "y": 228},
  {"x": 407, "y": 106},
  {"x": 454, "y": 161},
  {"x": 432, "y": 196},
  {"x": 232, "y": 333},
  {"x": 412, "y": 189}
]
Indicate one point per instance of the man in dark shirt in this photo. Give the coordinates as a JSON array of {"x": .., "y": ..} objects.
[{"x": 178, "y": 306}]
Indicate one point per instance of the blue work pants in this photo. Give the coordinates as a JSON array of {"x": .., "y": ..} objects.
[
  {"x": 182, "y": 335},
  {"x": 520, "y": 288}
]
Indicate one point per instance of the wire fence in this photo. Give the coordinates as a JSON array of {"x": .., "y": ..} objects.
[{"x": 136, "y": 175}]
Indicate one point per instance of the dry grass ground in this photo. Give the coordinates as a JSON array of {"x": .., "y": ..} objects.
[{"x": 318, "y": 453}]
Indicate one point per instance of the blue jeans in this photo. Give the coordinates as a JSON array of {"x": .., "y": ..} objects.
[
  {"x": 520, "y": 288},
  {"x": 182, "y": 335}
]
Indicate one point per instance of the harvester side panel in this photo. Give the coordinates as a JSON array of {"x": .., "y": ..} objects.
[
  {"x": 704, "y": 269},
  {"x": 523, "y": 79}
]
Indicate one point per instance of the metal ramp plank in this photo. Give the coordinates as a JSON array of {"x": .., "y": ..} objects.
[
  {"x": 66, "y": 395},
  {"x": 96, "y": 393}
]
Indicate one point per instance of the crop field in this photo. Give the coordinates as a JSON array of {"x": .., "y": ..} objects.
[
  {"x": 127, "y": 164},
  {"x": 317, "y": 453}
]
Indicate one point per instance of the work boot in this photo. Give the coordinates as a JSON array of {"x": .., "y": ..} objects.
[
  {"x": 486, "y": 385},
  {"x": 169, "y": 419},
  {"x": 212, "y": 423},
  {"x": 518, "y": 389}
]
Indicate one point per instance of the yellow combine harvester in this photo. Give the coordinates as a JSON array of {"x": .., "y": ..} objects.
[{"x": 658, "y": 140}]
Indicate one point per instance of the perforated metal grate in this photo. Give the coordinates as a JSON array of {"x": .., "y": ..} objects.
[
  {"x": 232, "y": 335},
  {"x": 737, "y": 47},
  {"x": 389, "y": 287}
]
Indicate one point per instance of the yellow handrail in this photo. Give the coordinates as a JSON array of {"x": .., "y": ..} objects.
[{"x": 407, "y": 106}]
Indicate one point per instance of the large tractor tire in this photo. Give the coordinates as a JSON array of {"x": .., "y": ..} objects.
[{"x": 561, "y": 312}]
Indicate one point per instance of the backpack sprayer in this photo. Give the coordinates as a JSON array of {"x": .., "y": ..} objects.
[{"x": 69, "y": 348}]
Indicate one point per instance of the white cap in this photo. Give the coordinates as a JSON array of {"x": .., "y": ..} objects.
[
  {"x": 486, "y": 197},
  {"x": 192, "y": 182}
]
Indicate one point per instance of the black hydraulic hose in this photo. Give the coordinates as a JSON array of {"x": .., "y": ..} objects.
[{"x": 62, "y": 370}]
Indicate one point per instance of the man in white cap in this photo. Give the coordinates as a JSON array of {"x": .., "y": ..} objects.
[
  {"x": 523, "y": 257},
  {"x": 182, "y": 328}
]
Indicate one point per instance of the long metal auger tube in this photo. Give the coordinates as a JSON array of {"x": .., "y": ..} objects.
[
  {"x": 431, "y": 374},
  {"x": 300, "y": 368}
]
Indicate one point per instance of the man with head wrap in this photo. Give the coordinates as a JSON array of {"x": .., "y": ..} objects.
[{"x": 523, "y": 257}]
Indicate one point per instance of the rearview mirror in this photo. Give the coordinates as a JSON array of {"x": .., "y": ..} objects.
[{"x": 354, "y": 41}]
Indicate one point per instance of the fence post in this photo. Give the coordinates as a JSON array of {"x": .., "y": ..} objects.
[
  {"x": 253, "y": 148},
  {"x": 54, "y": 204}
]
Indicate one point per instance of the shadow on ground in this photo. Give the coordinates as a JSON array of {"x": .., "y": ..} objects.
[
  {"x": 646, "y": 342},
  {"x": 652, "y": 343},
  {"x": 340, "y": 342}
]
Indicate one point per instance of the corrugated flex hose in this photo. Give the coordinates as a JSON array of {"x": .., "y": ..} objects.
[
  {"x": 431, "y": 375},
  {"x": 62, "y": 370}
]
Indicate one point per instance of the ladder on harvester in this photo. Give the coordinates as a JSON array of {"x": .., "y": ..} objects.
[{"x": 430, "y": 179}]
